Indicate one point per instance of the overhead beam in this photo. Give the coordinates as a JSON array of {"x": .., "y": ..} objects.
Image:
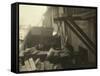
[
  {"x": 82, "y": 16},
  {"x": 85, "y": 15}
]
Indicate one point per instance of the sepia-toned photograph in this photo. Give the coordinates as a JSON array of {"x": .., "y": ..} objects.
[{"x": 54, "y": 37}]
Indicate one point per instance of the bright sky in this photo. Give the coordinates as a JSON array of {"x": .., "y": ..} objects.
[{"x": 31, "y": 14}]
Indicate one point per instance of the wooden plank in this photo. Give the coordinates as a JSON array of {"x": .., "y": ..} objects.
[
  {"x": 32, "y": 64},
  {"x": 42, "y": 66},
  {"x": 27, "y": 66}
]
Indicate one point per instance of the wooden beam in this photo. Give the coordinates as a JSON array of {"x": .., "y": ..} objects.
[{"x": 82, "y": 36}]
